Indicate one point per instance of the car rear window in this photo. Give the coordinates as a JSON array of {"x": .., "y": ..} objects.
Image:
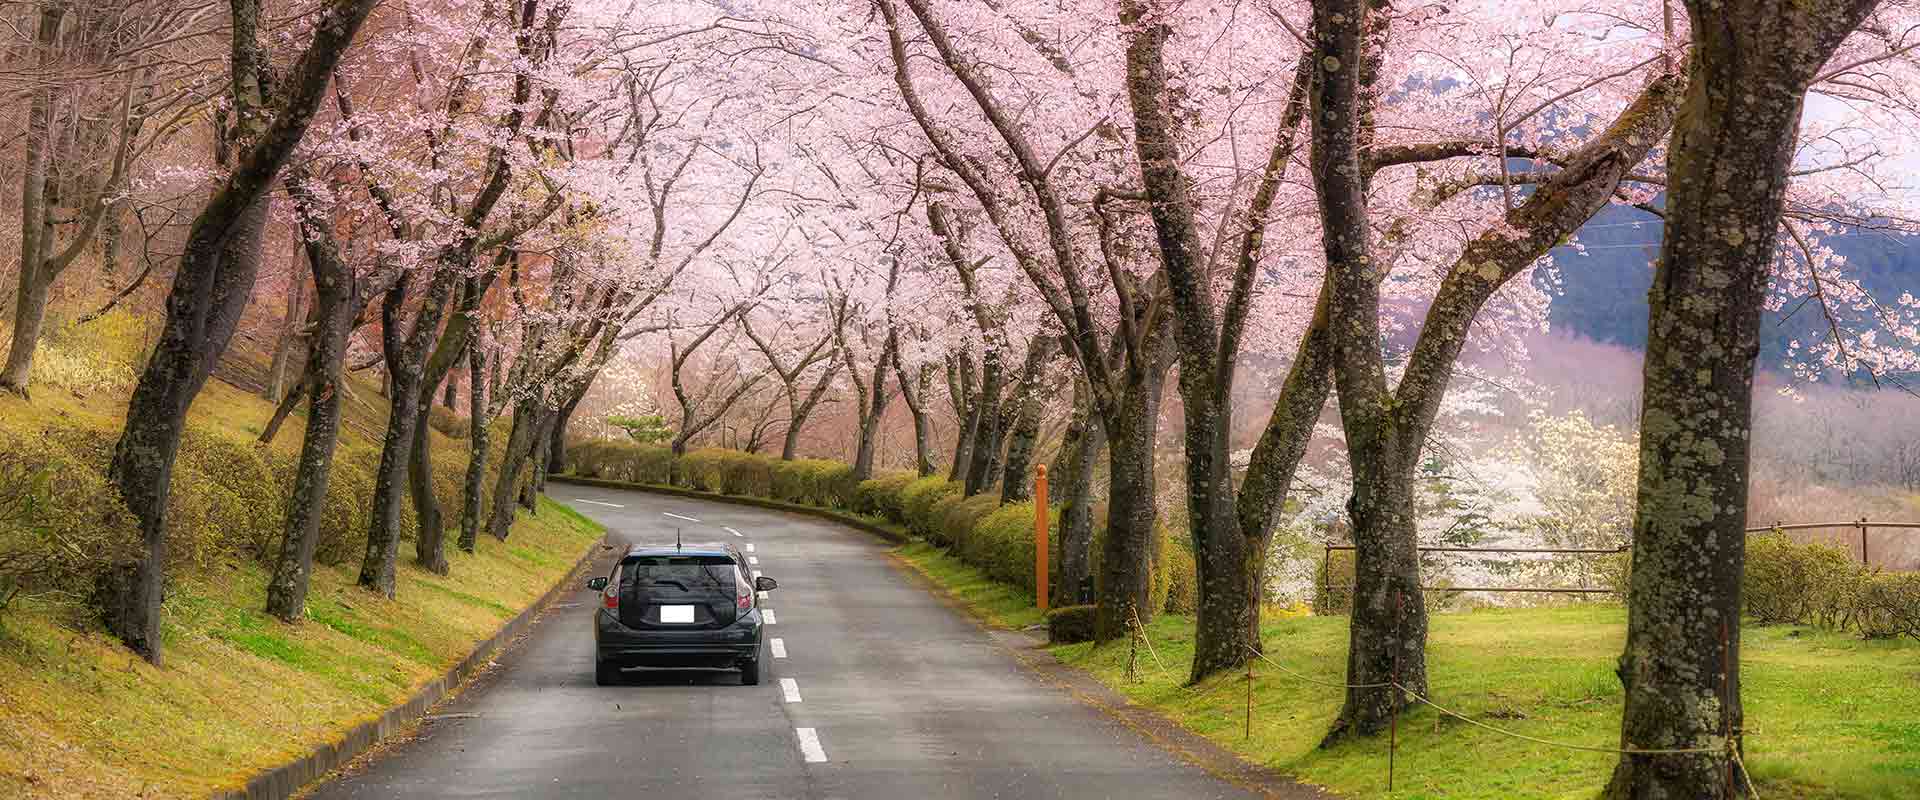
[{"x": 690, "y": 573}]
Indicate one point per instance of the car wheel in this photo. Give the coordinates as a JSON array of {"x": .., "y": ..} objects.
[
  {"x": 750, "y": 673},
  {"x": 605, "y": 673}
]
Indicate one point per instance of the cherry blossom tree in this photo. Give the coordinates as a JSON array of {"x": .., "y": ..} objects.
[{"x": 210, "y": 289}]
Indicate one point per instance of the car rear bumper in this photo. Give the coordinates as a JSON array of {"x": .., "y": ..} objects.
[{"x": 717, "y": 648}]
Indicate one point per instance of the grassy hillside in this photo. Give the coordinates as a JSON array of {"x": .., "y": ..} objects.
[
  {"x": 240, "y": 691},
  {"x": 1829, "y": 715}
]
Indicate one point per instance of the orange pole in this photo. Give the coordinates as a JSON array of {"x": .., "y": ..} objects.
[{"x": 1040, "y": 534}]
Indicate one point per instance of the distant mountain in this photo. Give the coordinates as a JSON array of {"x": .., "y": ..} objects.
[{"x": 1603, "y": 284}]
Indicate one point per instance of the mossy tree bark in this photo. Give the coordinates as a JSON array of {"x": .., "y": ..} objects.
[
  {"x": 1729, "y": 162},
  {"x": 960, "y": 391},
  {"x": 210, "y": 289},
  {"x": 1023, "y": 432},
  {"x": 1232, "y": 531},
  {"x": 1072, "y": 476},
  {"x": 914, "y": 389}
]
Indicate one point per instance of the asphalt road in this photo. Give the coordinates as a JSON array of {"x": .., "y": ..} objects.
[{"x": 885, "y": 692}]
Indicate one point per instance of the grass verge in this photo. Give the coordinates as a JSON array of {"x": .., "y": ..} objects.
[
  {"x": 1828, "y": 715},
  {"x": 240, "y": 692}
]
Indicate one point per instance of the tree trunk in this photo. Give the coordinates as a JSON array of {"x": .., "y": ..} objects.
[
  {"x": 30, "y": 305},
  {"x": 476, "y": 477},
  {"x": 292, "y": 571},
  {"x": 538, "y": 447},
  {"x": 283, "y": 409},
  {"x": 406, "y": 366},
  {"x": 556, "y": 456},
  {"x": 290, "y": 334},
  {"x": 210, "y": 291},
  {"x": 986, "y": 426},
  {"x": 1025, "y": 426},
  {"x": 1751, "y": 64},
  {"x": 1072, "y": 474},
  {"x": 507, "y": 483},
  {"x": 966, "y": 415},
  {"x": 1126, "y": 559},
  {"x": 914, "y": 392},
  {"x": 429, "y": 545},
  {"x": 876, "y": 411}
]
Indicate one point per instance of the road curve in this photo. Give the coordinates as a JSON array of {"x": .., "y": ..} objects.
[{"x": 885, "y": 693}]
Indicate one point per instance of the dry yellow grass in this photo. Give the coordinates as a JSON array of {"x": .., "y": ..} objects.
[{"x": 241, "y": 691}]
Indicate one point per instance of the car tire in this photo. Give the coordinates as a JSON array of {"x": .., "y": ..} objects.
[
  {"x": 750, "y": 673},
  {"x": 605, "y": 673}
]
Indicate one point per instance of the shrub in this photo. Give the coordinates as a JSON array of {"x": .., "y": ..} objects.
[
  {"x": 1183, "y": 593},
  {"x": 880, "y": 497},
  {"x": 226, "y": 497},
  {"x": 702, "y": 469},
  {"x": 618, "y": 461},
  {"x": 747, "y": 474},
  {"x": 448, "y": 422},
  {"x": 61, "y": 522},
  {"x": 934, "y": 526},
  {"x": 918, "y": 499},
  {"x": 1788, "y": 581},
  {"x": 835, "y": 485},
  {"x": 1333, "y": 587},
  {"x": 1889, "y": 606},
  {"x": 1070, "y": 624},
  {"x": 957, "y": 525},
  {"x": 1001, "y": 544}
]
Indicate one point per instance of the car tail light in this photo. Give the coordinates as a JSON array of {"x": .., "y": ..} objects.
[
  {"x": 612, "y": 599},
  {"x": 743, "y": 592}
]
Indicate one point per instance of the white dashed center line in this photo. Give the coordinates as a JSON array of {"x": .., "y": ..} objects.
[
  {"x": 598, "y": 503},
  {"x": 753, "y": 560},
  {"x": 763, "y": 595},
  {"x": 791, "y": 689},
  {"x": 729, "y": 530},
  {"x": 779, "y": 647},
  {"x": 756, "y": 575},
  {"x": 677, "y": 516},
  {"x": 769, "y": 615},
  {"x": 810, "y": 745},
  {"x": 749, "y": 544}
]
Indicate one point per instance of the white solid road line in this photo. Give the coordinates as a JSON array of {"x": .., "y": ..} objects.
[
  {"x": 779, "y": 647},
  {"x": 734, "y": 532},
  {"x": 677, "y": 516},
  {"x": 598, "y": 503},
  {"x": 810, "y": 745},
  {"x": 754, "y": 560},
  {"x": 749, "y": 544},
  {"x": 769, "y": 615},
  {"x": 791, "y": 689}
]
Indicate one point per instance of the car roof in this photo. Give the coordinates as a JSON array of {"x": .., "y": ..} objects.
[{"x": 684, "y": 549}]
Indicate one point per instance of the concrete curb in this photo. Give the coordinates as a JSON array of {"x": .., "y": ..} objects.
[
  {"x": 849, "y": 520},
  {"x": 287, "y": 779}
]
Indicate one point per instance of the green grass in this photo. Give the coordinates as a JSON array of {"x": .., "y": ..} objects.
[
  {"x": 1828, "y": 714},
  {"x": 1000, "y": 604}
]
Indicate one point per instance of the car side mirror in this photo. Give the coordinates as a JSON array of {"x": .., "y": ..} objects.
[
  {"x": 764, "y": 584},
  {"x": 597, "y": 584}
]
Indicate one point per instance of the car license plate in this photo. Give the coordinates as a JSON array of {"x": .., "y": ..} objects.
[{"x": 676, "y": 613}]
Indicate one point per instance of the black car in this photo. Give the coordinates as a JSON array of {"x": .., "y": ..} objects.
[{"x": 678, "y": 606}]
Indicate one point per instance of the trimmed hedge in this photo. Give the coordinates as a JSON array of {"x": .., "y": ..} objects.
[{"x": 979, "y": 530}]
